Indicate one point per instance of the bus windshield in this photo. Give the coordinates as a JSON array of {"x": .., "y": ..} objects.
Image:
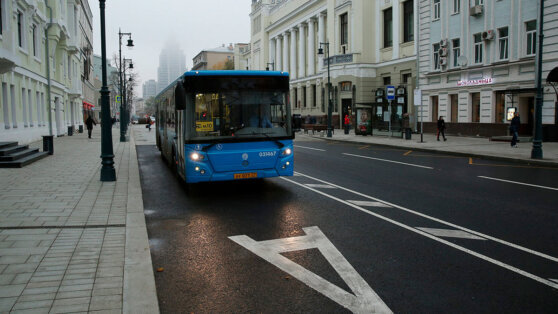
[{"x": 239, "y": 115}]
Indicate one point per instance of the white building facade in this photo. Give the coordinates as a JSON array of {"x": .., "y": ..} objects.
[
  {"x": 26, "y": 111},
  {"x": 478, "y": 64},
  {"x": 370, "y": 46}
]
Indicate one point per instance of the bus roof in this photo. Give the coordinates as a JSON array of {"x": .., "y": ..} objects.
[{"x": 235, "y": 73}]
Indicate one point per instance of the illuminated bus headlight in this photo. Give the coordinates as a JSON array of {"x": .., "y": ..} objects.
[
  {"x": 195, "y": 156},
  {"x": 287, "y": 152}
]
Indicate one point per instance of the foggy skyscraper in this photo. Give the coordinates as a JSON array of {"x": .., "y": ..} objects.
[{"x": 172, "y": 64}]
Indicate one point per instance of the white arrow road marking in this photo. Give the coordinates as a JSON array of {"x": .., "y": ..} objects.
[
  {"x": 449, "y": 233},
  {"x": 368, "y": 203},
  {"x": 320, "y": 186},
  {"x": 364, "y": 300}
]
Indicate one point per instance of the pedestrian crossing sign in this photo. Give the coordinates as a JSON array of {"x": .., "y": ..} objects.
[{"x": 118, "y": 98}]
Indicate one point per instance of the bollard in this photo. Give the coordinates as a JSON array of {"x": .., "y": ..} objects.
[
  {"x": 70, "y": 130},
  {"x": 81, "y": 129}
]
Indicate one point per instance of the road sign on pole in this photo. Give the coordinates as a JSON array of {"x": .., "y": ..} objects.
[
  {"x": 118, "y": 99},
  {"x": 390, "y": 95}
]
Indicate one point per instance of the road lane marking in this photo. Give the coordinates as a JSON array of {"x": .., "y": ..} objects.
[
  {"x": 510, "y": 166},
  {"x": 320, "y": 186},
  {"x": 368, "y": 203},
  {"x": 305, "y": 147},
  {"x": 515, "y": 246},
  {"x": 520, "y": 183},
  {"x": 386, "y": 160},
  {"x": 363, "y": 299},
  {"x": 555, "y": 280},
  {"x": 449, "y": 233},
  {"x": 425, "y": 234},
  {"x": 407, "y": 153},
  {"x": 364, "y": 147}
]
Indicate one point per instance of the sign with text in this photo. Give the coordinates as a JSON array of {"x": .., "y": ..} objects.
[
  {"x": 204, "y": 126},
  {"x": 483, "y": 81},
  {"x": 390, "y": 92}
]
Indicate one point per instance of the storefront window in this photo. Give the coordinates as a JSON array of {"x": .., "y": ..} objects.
[{"x": 475, "y": 107}]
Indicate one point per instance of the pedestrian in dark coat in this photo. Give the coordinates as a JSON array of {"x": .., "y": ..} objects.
[
  {"x": 441, "y": 128},
  {"x": 89, "y": 122},
  {"x": 514, "y": 129}
]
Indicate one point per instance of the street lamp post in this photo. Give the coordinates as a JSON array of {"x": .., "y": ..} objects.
[
  {"x": 107, "y": 170},
  {"x": 126, "y": 112},
  {"x": 123, "y": 125},
  {"x": 536, "y": 151},
  {"x": 329, "y": 109}
]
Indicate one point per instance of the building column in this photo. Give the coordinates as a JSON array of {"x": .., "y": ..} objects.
[
  {"x": 311, "y": 47},
  {"x": 286, "y": 52},
  {"x": 293, "y": 53},
  {"x": 278, "y": 56},
  {"x": 301, "y": 51},
  {"x": 396, "y": 25},
  {"x": 321, "y": 39},
  {"x": 271, "y": 53}
]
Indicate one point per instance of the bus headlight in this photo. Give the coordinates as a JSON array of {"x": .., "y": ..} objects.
[
  {"x": 287, "y": 152},
  {"x": 195, "y": 156}
]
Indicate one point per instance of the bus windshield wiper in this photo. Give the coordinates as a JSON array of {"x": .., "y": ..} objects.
[{"x": 269, "y": 137}]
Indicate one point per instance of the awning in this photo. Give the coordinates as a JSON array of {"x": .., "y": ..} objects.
[{"x": 88, "y": 106}]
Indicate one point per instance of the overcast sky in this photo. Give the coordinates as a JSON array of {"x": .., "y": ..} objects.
[{"x": 193, "y": 24}]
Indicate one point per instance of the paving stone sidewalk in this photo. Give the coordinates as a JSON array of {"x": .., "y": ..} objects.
[
  {"x": 457, "y": 145},
  {"x": 69, "y": 242}
]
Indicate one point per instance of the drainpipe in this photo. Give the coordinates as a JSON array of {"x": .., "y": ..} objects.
[{"x": 48, "y": 71}]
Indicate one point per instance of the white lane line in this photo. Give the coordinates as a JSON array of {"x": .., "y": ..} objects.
[
  {"x": 521, "y": 183},
  {"x": 515, "y": 246},
  {"x": 555, "y": 280},
  {"x": 455, "y": 246},
  {"x": 320, "y": 186},
  {"x": 318, "y": 149},
  {"x": 368, "y": 203},
  {"x": 387, "y": 160},
  {"x": 451, "y": 233}
]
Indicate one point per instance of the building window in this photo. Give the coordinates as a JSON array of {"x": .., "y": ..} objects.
[
  {"x": 35, "y": 50},
  {"x": 454, "y": 108},
  {"x": 455, "y": 51},
  {"x": 477, "y": 2},
  {"x": 456, "y": 6},
  {"x": 1, "y": 17},
  {"x": 387, "y": 80},
  {"x": 478, "y": 48},
  {"x": 531, "y": 33},
  {"x": 256, "y": 24},
  {"x": 314, "y": 96},
  {"x": 406, "y": 78},
  {"x": 475, "y": 106},
  {"x": 436, "y": 9},
  {"x": 388, "y": 28},
  {"x": 408, "y": 25},
  {"x": 20, "y": 29},
  {"x": 344, "y": 23},
  {"x": 503, "y": 43},
  {"x": 436, "y": 56},
  {"x": 346, "y": 86}
]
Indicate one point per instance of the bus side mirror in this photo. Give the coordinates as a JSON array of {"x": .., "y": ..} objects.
[{"x": 180, "y": 97}]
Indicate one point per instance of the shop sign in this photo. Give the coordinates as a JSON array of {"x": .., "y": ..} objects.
[{"x": 483, "y": 81}]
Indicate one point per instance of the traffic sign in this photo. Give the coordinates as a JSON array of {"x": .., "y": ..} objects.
[
  {"x": 118, "y": 98},
  {"x": 390, "y": 92}
]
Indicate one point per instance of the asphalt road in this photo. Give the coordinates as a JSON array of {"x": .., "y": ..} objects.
[{"x": 369, "y": 228}]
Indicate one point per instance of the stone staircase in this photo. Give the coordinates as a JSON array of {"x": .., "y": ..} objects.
[{"x": 13, "y": 155}]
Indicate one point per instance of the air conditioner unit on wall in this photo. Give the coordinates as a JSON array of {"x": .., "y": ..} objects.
[
  {"x": 443, "y": 52},
  {"x": 475, "y": 10},
  {"x": 443, "y": 61},
  {"x": 488, "y": 35},
  {"x": 443, "y": 43}
]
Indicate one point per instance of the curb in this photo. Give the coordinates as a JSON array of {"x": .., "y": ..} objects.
[
  {"x": 542, "y": 163},
  {"x": 140, "y": 294}
]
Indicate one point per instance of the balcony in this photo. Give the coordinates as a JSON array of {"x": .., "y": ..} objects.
[{"x": 8, "y": 60}]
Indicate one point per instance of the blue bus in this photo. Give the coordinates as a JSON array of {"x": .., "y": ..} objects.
[{"x": 226, "y": 125}]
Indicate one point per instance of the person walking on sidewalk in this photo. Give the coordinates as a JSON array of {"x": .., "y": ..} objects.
[
  {"x": 347, "y": 123},
  {"x": 89, "y": 122},
  {"x": 514, "y": 129},
  {"x": 441, "y": 128}
]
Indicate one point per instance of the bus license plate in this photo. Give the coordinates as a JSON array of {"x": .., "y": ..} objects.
[{"x": 248, "y": 175}]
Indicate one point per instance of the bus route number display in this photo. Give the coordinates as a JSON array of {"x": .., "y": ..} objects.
[{"x": 204, "y": 126}]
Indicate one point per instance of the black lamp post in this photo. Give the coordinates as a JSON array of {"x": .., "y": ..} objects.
[
  {"x": 536, "y": 151},
  {"x": 321, "y": 52},
  {"x": 126, "y": 113},
  {"x": 272, "y": 66},
  {"x": 123, "y": 124},
  {"x": 107, "y": 170}
]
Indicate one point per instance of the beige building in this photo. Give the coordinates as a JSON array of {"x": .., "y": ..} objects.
[
  {"x": 220, "y": 58},
  {"x": 242, "y": 57},
  {"x": 370, "y": 45}
]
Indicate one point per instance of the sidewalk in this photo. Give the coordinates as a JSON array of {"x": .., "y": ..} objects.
[
  {"x": 71, "y": 243},
  {"x": 456, "y": 145}
]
